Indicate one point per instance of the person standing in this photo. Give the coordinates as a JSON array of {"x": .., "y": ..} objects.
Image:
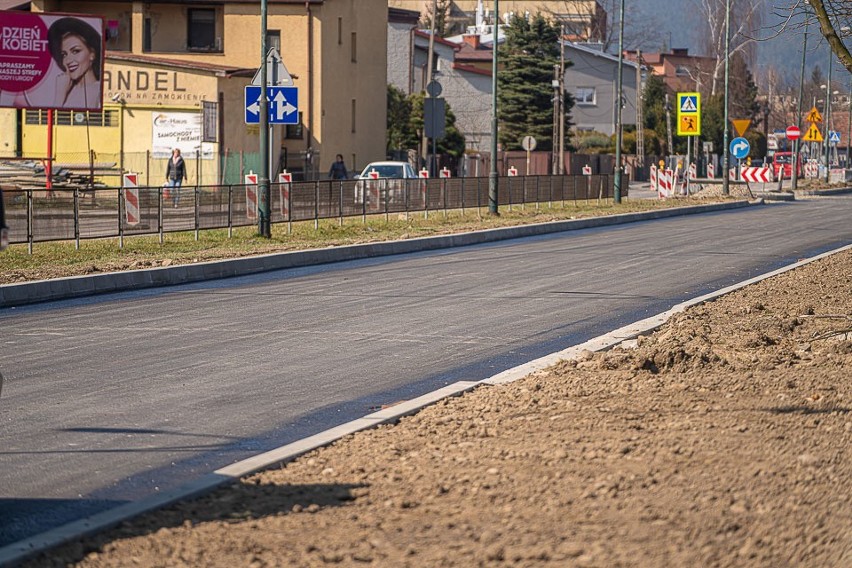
[
  {"x": 175, "y": 174},
  {"x": 338, "y": 169}
]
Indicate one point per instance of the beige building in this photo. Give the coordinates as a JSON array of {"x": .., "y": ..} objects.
[
  {"x": 585, "y": 20},
  {"x": 188, "y": 62}
]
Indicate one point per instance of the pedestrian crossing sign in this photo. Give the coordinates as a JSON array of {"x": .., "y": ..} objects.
[
  {"x": 688, "y": 102},
  {"x": 689, "y": 114}
]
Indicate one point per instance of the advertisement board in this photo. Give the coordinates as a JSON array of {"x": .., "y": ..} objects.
[
  {"x": 51, "y": 61},
  {"x": 181, "y": 130}
]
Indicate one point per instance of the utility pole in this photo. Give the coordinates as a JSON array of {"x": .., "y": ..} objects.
[
  {"x": 561, "y": 98},
  {"x": 669, "y": 126},
  {"x": 640, "y": 119},
  {"x": 492, "y": 175},
  {"x": 795, "y": 158},
  {"x": 726, "y": 185},
  {"x": 619, "y": 135},
  {"x": 554, "y": 154},
  {"x": 828, "y": 115},
  {"x": 429, "y": 72}
]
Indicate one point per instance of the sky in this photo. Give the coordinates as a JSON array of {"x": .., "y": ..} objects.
[{"x": 683, "y": 18}]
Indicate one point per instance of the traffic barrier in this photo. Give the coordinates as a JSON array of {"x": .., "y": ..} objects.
[
  {"x": 711, "y": 171},
  {"x": 812, "y": 169},
  {"x": 285, "y": 178},
  {"x": 251, "y": 195},
  {"x": 131, "y": 198},
  {"x": 666, "y": 182},
  {"x": 757, "y": 175},
  {"x": 654, "y": 178},
  {"x": 693, "y": 171}
]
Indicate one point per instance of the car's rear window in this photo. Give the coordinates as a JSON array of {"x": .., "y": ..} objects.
[{"x": 388, "y": 171}]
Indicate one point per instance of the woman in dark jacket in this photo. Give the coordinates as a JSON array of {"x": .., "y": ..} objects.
[{"x": 175, "y": 174}]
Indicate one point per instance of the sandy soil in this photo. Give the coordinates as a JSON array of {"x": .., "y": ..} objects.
[{"x": 721, "y": 440}]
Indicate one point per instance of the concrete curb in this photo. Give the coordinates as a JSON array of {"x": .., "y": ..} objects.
[
  {"x": 20, "y": 551},
  {"x": 80, "y": 286},
  {"x": 827, "y": 192}
]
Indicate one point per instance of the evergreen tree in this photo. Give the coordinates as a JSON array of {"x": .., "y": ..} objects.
[
  {"x": 525, "y": 90},
  {"x": 654, "y": 109},
  {"x": 398, "y": 121}
]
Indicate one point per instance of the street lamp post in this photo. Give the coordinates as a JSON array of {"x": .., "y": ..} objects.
[
  {"x": 827, "y": 142},
  {"x": 726, "y": 186},
  {"x": 795, "y": 160},
  {"x": 618, "y": 103},
  {"x": 492, "y": 175},
  {"x": 263, "y": 190}
]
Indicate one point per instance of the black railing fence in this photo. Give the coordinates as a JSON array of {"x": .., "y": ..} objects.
[{"x": 39, "y": 215}]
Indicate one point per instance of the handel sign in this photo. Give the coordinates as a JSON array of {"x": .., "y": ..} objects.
[{"x": 51, "y": 61}]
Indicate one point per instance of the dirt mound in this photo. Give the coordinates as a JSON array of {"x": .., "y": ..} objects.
[{"x": 721, "y": 440}]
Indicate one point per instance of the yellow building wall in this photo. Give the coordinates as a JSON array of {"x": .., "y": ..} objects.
[
  {"x": 8, "y": 129},
  {"x": 316, "y": 46}
]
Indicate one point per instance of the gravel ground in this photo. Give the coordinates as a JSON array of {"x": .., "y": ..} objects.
[{"x": 723, "y": 439}]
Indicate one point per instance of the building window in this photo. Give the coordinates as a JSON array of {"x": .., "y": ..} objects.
[
  {"x": 354, "y": 47},
  {"x": 146, "y": 35},
  {"x": 273, "y": 40},
  {"x": 353, "y": 115},
  {"x": 201, "y": 29},
  {"x": 682, "y": 71},
  {"x": 585, "y": 96},
  {"x": 294, "y": 131},
  {"x": 73, "y": 118}
]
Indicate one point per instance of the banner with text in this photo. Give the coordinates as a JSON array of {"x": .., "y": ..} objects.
[{"x": 181, "y": 130}]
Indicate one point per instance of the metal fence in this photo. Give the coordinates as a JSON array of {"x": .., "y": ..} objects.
[{"x": 38, "y": 215}]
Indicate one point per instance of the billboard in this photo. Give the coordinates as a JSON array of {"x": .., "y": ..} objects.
[{"x": 51, "y": 61}]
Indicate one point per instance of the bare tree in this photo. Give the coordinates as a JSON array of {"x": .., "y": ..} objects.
[
  {"x": 745, "y": 19},
  {"x": 835, "y": 16},
  {"x": 597, "y": 20}
]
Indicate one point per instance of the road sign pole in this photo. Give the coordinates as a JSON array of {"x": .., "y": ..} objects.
[
  {"x": 828, "y": 116},
  {"x": 619, "y": 101},
  {"x": 263, "y": 198},
  {"x": 796, "y": 143}
]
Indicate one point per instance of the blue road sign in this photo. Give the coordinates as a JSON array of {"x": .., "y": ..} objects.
[
  {"x": 740, "y": 148},
  {"x": 834, "y": 137},
  {"x": 283, "y": 104}
]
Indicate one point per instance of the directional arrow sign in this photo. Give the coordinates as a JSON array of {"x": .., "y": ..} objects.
[
  {"x": 740, "y": 148},
  {"x": 283, "y": 104}
]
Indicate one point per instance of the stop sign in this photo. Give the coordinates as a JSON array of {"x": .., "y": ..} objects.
[{"x": 793, "y": 132}]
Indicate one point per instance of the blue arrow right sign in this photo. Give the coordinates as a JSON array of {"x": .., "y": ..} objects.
[{"x": 740, "y": 148}]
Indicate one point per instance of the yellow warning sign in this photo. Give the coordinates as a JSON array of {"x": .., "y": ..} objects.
[
  {"x": 813, "y": 134},
  {"x": 815, "y": 117},
  {"x": 688, "y": 125},
  {"x": 741, "y": 125}
]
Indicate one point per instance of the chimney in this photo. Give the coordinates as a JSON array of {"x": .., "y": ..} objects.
[{"x": 472, "y": 40}]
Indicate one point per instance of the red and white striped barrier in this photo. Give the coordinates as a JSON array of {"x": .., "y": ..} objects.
[
  {"x": 130, "y": 182},
  {"x": 812, "y": 169},
  {"x": 757, "y": 175},
  {"x": 665, "y": 179},
  {"x": 654, "y": 178},
  {"x": 513, "y": 171},
  {"x": 250, "y": 180},
  {"x": 285, "y": 178},
  {"x": 445, "y": 173},
  {"x": 423, "y": 174},
  {"x": 711, "y": 171}
]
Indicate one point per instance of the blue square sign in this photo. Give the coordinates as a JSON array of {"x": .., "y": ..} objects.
[{"x": 283, "y": 104}]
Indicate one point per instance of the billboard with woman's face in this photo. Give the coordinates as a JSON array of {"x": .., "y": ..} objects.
[{"x": 51, "y": 61}]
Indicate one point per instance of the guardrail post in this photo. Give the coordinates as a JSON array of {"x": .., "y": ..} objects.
[
  {"x": 77, "y": 218},
  {"x": 120, "y": 224},
  {"x": 230, "y": 211},
  {"x": 196, "y": 197},
  {"x": 461, "y": 180},
  {"x": 29, "y": 221},
  {"x": 160, "y": 212},
  {"x": 316, "y": 205},
  {"x": 340, "y": 204}
]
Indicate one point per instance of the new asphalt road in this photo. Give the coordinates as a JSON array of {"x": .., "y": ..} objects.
[{"x": 112, "y": 398}]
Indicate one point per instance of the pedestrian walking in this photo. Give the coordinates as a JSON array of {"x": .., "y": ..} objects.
[
  {"x": 175, "y": 174},
  {"x": 338, "y": 169}
]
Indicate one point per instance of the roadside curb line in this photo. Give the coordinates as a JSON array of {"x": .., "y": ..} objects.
[
  {"x": 89, "y": 285},
  {"x": 20, "y": 551}
]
